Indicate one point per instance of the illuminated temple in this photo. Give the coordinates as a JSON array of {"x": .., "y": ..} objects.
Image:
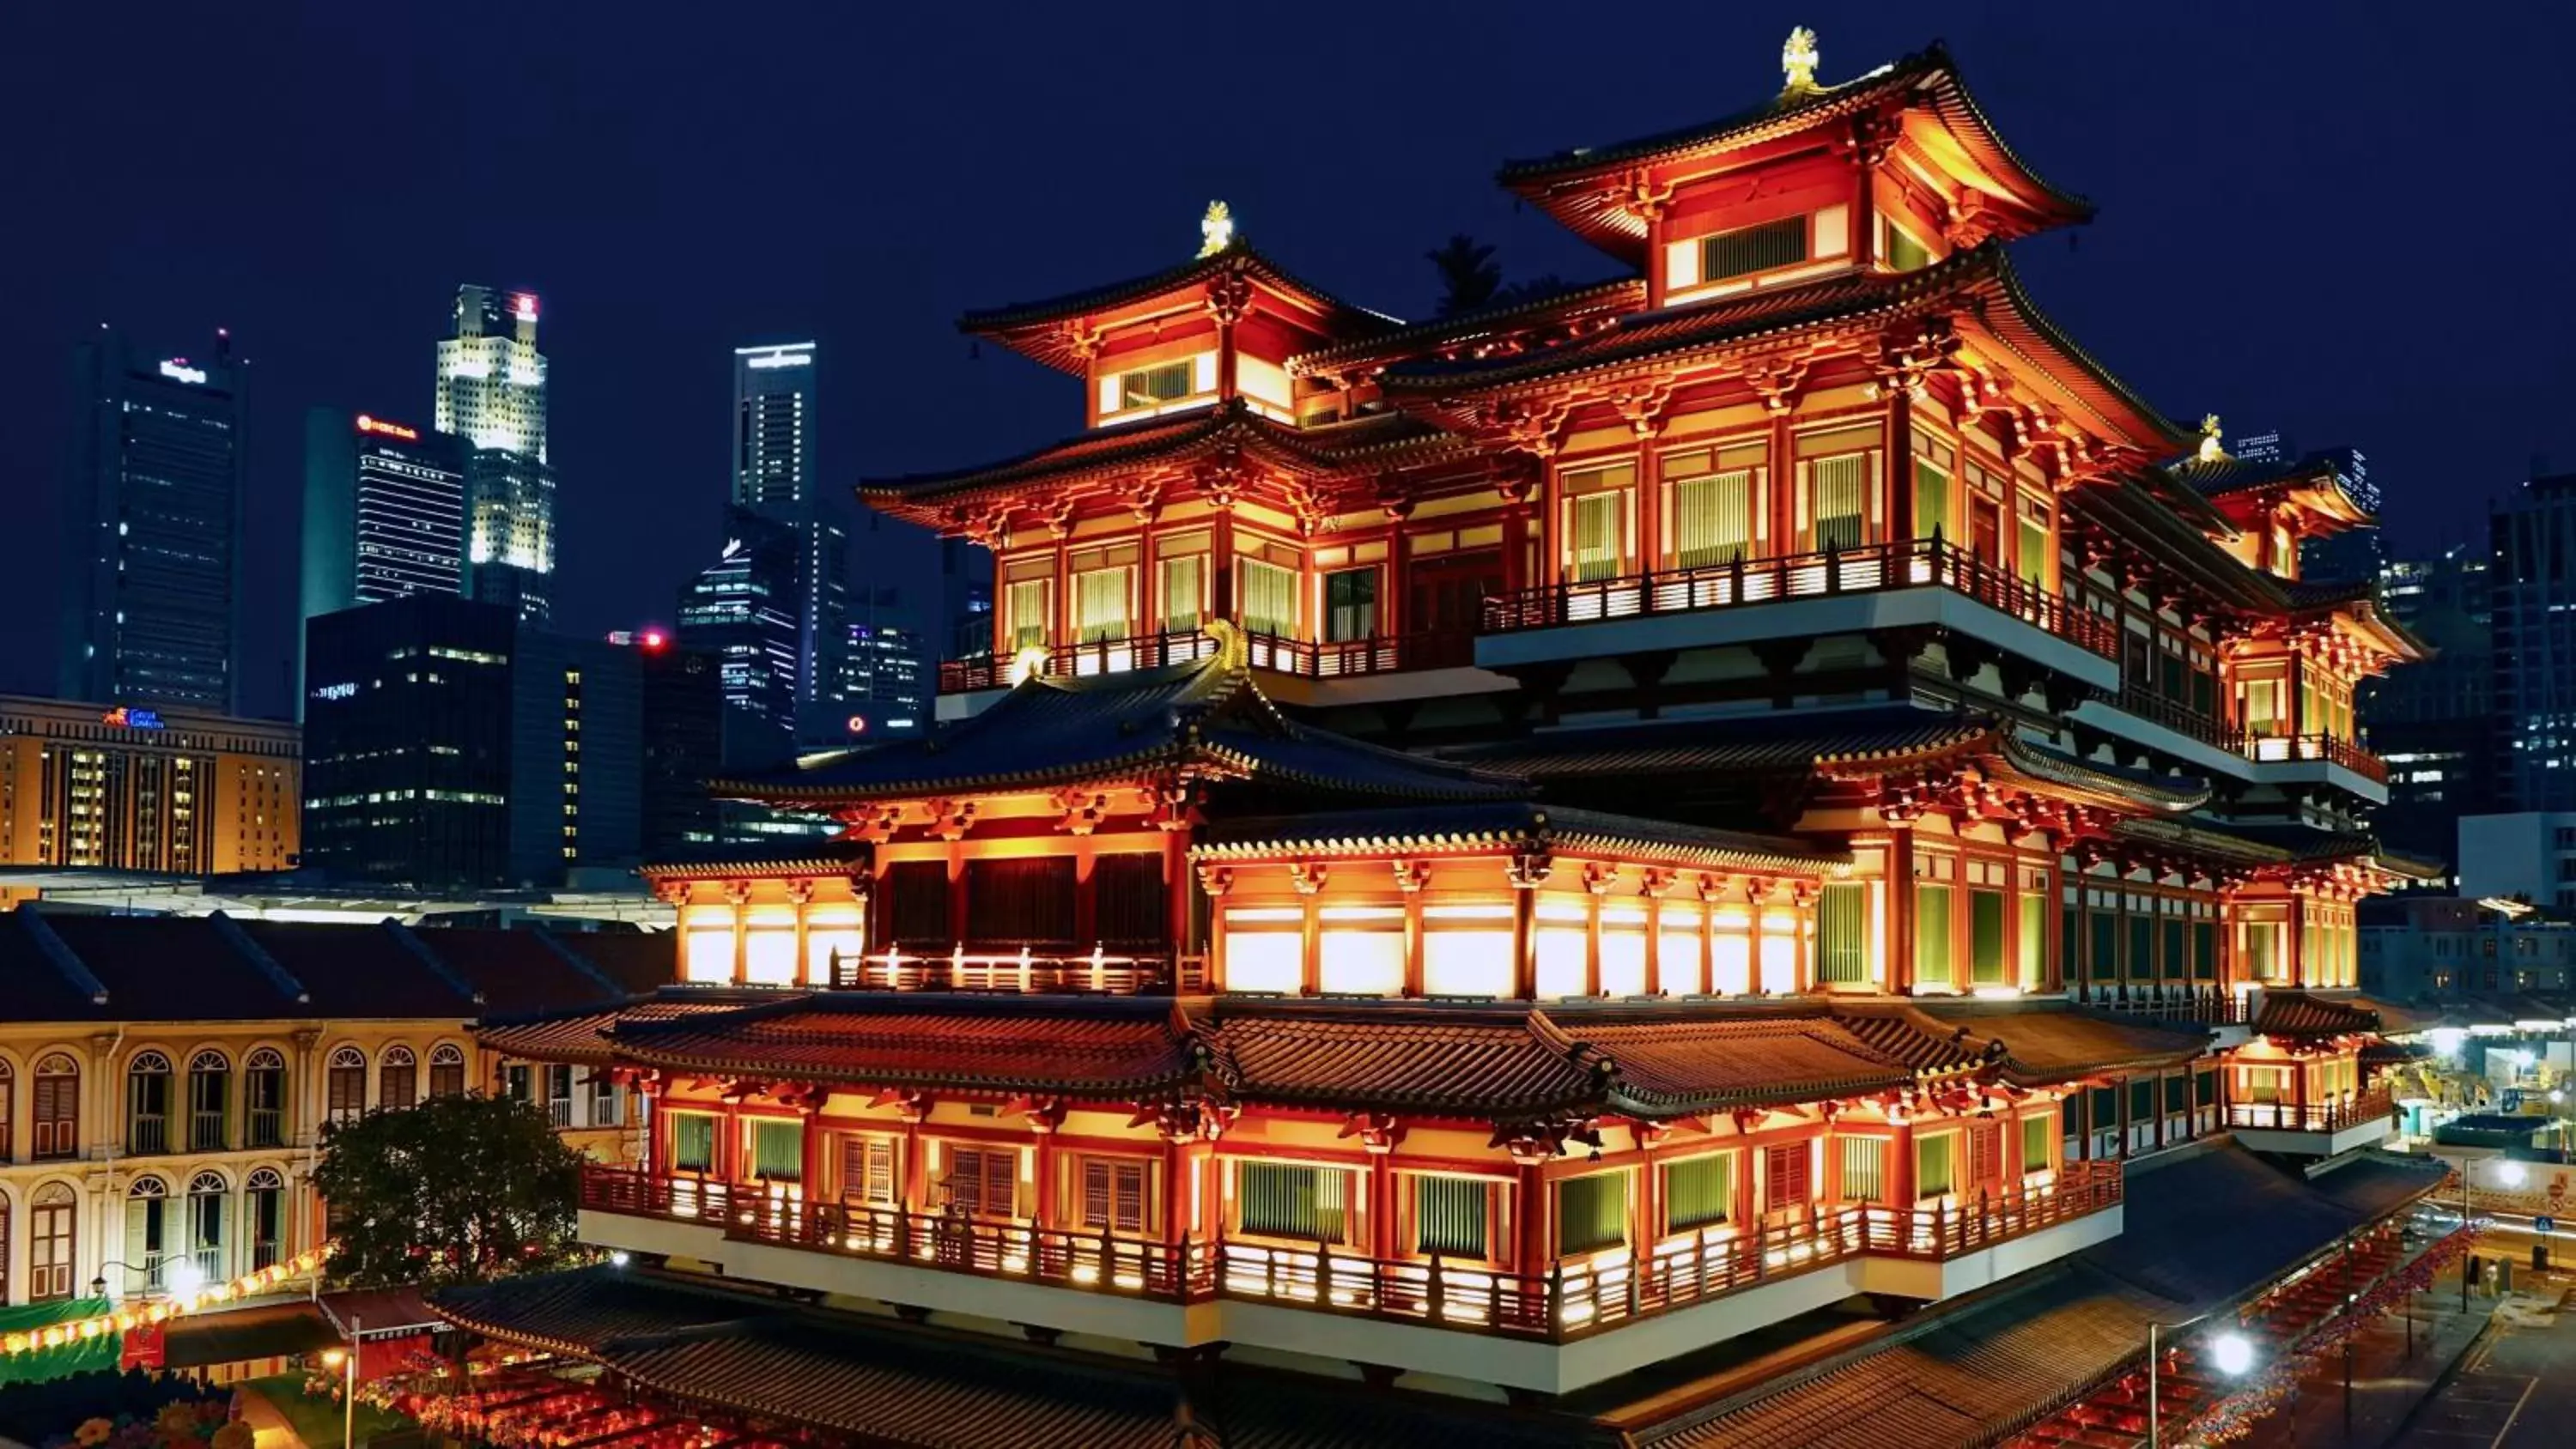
[{"x": 1653, "y": 864}]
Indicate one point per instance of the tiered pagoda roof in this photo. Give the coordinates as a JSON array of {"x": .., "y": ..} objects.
[
  {"x": 1513, "y": 825},
  {"x": 1205, "y": 718},
  {"x": 1038, "y": 328},
  {"x": 1575, "y": 185}
]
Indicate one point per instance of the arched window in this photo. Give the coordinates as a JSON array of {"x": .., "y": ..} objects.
[
  {"x": 265, "y": 1206},
  {"x": 147, "y": 1104},
  {"x": 206, "y": 1194},
  {"x": 347, "y": 1082},
  {"x": 147, "y": 1233},
  {"x": 8, "y": 1097},
  {"x": 397, "y": 1078},
  {"x": 51, "y": 1259},
  {"x": 264, "y": 1098},
  {"x": 210, "y": 1090},
  {"x": 446, "y": 1070},
  {"x": 57, "y": 1107}
]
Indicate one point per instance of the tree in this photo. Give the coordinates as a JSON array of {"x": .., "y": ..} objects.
[
  {"x": 1469, "y": 274},
  {"x": 454, "y": 1190}
]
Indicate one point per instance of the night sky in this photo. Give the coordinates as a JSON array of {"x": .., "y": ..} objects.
[{"x": 2350, "y": 222}]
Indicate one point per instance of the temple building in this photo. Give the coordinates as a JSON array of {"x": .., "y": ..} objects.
[{"x": 1554, "y": 873}]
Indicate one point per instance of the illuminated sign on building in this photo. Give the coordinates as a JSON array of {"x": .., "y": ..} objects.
[
  {"x": 336, "y": 691},
  {"x": 523, "y": 305},
  {"x": 134, "y": 719},
  {"x": 780, "y": 359},
  {"x": 368, "y": 424},
  {"x": 178, "y": 370}
]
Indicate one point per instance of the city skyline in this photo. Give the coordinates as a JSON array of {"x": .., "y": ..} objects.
[{"x": 647, "y": 289}]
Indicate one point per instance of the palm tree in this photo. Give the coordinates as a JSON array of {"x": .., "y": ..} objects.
[{"x": 1469, "y": 276}]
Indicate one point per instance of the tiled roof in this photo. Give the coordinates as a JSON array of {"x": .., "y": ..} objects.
[
  {"x": 1664, "y": 1067},
  {"x": 2202, "y": 1228},
  {"x": 2296, "y": 1013},
  {"x": 181, "y": 968},
  {"x": 1774, "y": 740},
  {"x": 1928, "y": 79},
  {"x": 1240, "y": 258},
  {"x": 639, "y": 962},
  {"x": 1430, "y": 1058},
  {"x": 2224, "y": 475},
  {"x": 2050, "y": 1041},
  {"x": 1504, "y": 824},
  {"x": 1903, "y": 1031},
  {"x": 1207, "y": 714},
  {"x": 352, "y": 971},
  {"x": 796, "y": 857},
  {"x": 1169, "y": 439},
  {"x": 579, "y": 1034},
  {"x": 1109, "y": 1047},
  {"x": 1463, "y": 329},
  {"x": 2173, "y": 793}
]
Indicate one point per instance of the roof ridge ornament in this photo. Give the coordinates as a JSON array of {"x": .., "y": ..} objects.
[
  {"x": 1216, "y": 230},
  {"x": 2211, "y": 449},
  {"x": 1798, "y": 63},
  {"x": 1233, "y": 650}
]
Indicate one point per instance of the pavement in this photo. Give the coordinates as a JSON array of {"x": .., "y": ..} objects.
[
  {"x": 2390, "y": 1383},
  {"x": 2516, "y": 1389},
  {"x": 269, "y": 1429}
]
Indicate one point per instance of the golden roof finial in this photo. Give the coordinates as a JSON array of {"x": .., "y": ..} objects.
[
  {"x": 1216, "y": 229},
  {"x": 1798, "y": 61},
  {"x": 1233, "y": 650},
  {"x": 2211, "y": 449}
]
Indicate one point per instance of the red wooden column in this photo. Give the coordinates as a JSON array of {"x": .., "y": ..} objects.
[
  {"x": 729, "y": 1152},
  {"x": 1900, "y": 913},
  {"x": 1900, "y": 450},
  {"x": 1383, "y": 1210},
  {"x": 810, "y": 1142},
  {"x": 651, "y": 1121},
  {"x": 1044, "y": 1118},
  {"x": 1529, "y": 1198}
]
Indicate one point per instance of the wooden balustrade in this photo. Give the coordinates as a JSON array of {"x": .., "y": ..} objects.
[
  {"x": 1101, "y": 972},
  {"x": 1576, "y": 1297},
  {"x": 2350, "y": 1109},
  {"x": 1334, "y": 659}
]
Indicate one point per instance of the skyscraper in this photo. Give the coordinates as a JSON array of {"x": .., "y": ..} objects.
[
  {"x": 774, "y": 404},
  {"x": 154, "y": 514},
  {"x": 492, "y": 398},
  {"x": 2433, "y": 721},
  {"x": 384, "y": 512},
  {"x": 742, "y": 609},
  {"x": 2533, "y": 594}
]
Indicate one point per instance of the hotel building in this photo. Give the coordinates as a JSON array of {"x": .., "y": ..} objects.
[{"x": 140, "y": 789}]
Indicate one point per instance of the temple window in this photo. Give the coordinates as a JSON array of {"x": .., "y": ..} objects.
[
  {"x": 1936, "y": 465},
  {"x": 1453, "y": 1216},
  {"x": 2033, "y": 945},
  {"x": 1730, "y": 950},
  {"x": 1158, "y": 385},
  {"x": 1788, "y": 1176},
  {"x": 1297, "y": 1201},
  {"x": 777, "y": 1150},
  {"x": 769, "y": 945},
  {"x": 1987, "y": 882},
  {"x": 1985, "y": 1154},
  {"x": 2038, "y": 1139},
  {"x": 1898, "y": 248},
  {"x": 1936, "y": 1164},
  {"x": 1115, "y": 1195},
  {"x": 983, "y": 1182},
  {"x": 1265, "y": 949},
  {"x": 1864, "y": 1169},
  {"x": 1623, "y": 949},
  {"x": 1467, "y": 950},
  {"x": 1362, "y": 949},
  {"x": 1563, "y": 944},
  {"x": 1678, "y": 929},
  {"x": 916, "y": 895},
  {"x": 2264, "y": 933},
  {"x": 1100, "y": 605},
  {"x": 1184, "y": 593},
  {"x": 2031, "y": 561},
  {"x": 1741, "y": 252},
  {"x": 1699, "y": 1192},
  {"x": 1350, "y": 604},
  {"x": 1269, "y": 598},
  {"x": 1842, "y": 934},
  {"x": 832, "y": 933},
  {"x": 1597, "y": 515},
  {"x": 1934, "y": 887},
  {"x": 1713, "y": 505},
  {"x": 1833, "y": 501},
  {"x": 1591, "y": 1212},
  {"x": 1024, "y": 901},
  {"x": 868, "y": 1172},
  {"x": 2265, "y": 702},
  {"x": 1986, "y": 497},
  {"x": 693, "y": 1142},
  {"x": 1025, "y": 613},
  {"x": 1779, "y": 950},
  {"x": 706, "y": 948}
]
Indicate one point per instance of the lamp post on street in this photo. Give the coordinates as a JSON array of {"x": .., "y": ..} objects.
[
  {"x": 346, "y": 1360},
  {"x": 2230, "y": 1352}
]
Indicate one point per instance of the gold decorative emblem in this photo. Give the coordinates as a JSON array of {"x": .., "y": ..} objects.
[
  {"x": 1798, "y": 61},
  {"x": 2211, "y": 449},
  {"x": 1233, "y": 650},
  {"x": 1216, "y": 229}
]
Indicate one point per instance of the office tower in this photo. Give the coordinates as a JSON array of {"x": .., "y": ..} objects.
[
  {"x": 137, "y": 788},
  {"x": 684, "y": 713},
  {"x": 743, "y": 609},
  {"x": 152, "y": 609},
  {"x": 2531, "y": 536},
  {"x": 2433, "y": 721},
  {"x": 449, "y": 743},
  {"x": 886, "y": 675},
  {"x": 492, "y": 398},
  {"x": 384, "y": 512},
  {"x": 774, "y": 406}
]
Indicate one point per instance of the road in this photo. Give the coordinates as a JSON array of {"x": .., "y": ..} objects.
[{"x": 2517, "y": 1388}]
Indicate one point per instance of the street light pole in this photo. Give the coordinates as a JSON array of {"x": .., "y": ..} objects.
[
  {"x": 349, "y": 1389},
  {"x": 2465, "y": 1258}
]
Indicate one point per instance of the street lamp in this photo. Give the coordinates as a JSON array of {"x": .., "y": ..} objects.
[
  {"x": 346, "y": 1360},
  {"x": 2231, "y": 1353},
  {"x": 180, "y": 1278}
]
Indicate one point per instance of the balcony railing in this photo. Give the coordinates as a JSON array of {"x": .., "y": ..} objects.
[
  {"x": 1101, "y": 971},
  {"x": 205, "y": 1131},
  {"x": 147, "y": 1135},
  {"x": 267, "y": 1127},
  {"x": 2201, "y": 1006},
  {"x": 1571, "y": 1300},
  {"x": 2352, "y": 1109},
  {"x": 1868, "y": 569},
  {"x": 1342, "y": 659},
  {"x": 2270, "y": 749}
]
